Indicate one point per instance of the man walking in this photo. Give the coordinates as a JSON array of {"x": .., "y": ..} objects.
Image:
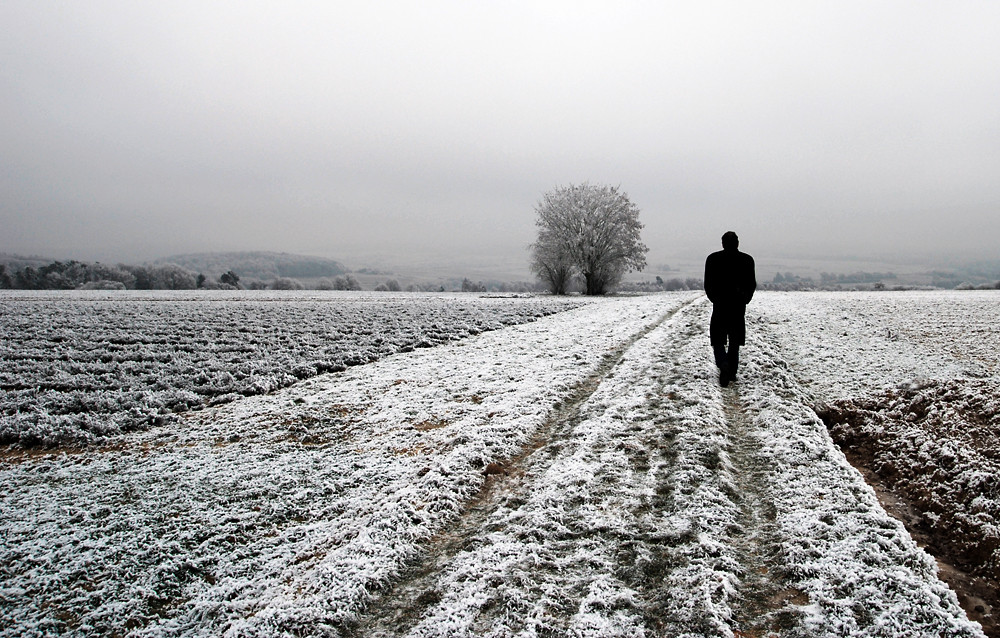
[{"x": 730, "y": 282}]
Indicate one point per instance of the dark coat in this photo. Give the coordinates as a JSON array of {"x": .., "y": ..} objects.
[{"x": 730, "y": 281}]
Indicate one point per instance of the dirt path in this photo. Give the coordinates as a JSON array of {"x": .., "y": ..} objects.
[
  {"x": 505, "y": 491},
  {"x": 766, "y": 605},
  {"x": 641, "y": 490},
  {"x": 655, "y": 503}
]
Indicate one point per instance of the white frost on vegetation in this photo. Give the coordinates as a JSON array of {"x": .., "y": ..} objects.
[
  {"x": 864, "y": 575},
  {"x": 652, "y": 502},
  {"x": 291, "y": 507},
  {"x": 83, "y": 366},
  {"x": 849, "y": 344},
  {"x": 641, "y": 518}
]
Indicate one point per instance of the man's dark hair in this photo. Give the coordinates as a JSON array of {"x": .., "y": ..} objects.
[{"x": 730, "y": 241}]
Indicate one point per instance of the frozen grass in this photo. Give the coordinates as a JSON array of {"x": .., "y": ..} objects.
[
  {"x": 667, "y": 506},
  {"x": 638, "y": 498},
  {"x": 287, "y": 508},
  {"x": 80, "y": 367},
  {"x": 937, "y": 444},
  {"x": 851, "y": 344}
]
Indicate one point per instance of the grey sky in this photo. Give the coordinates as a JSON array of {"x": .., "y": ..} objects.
[{"x": 134, "y": 130}]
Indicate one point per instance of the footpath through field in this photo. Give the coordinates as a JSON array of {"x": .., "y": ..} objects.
[
  {"x": 582, "y": 475},
  {"x": 660, "y": 504}
]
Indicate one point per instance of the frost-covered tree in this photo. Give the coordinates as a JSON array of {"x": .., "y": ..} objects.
[
  {"x": 469, "y": 286},
  {"x": 551, "y": 261},
  {"x": 172, "y": 277},
  {"x": 230, "y": 278},
  {"x": 106, "y": 272},
  {"x": 285, "y": 283},
  {"x": 142, "y": 277},
  {"x": 347, "y": 282},
  {"x": 590, "y": 230}
]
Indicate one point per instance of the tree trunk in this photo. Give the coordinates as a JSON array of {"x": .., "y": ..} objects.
[{"x": 595, "y": 284}]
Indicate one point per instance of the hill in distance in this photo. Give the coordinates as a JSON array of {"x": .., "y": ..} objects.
[
  {"x": 259, "y": 265},
  {"x": 16, "y": 262}
]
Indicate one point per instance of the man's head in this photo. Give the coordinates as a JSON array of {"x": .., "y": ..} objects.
[{"x": 730, "y": 241}]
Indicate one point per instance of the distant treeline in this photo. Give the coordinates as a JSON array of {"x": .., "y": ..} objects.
[
  {"x": 257, "y": 265},
  {"x": 70, "y": 275},
  {"x": 78, "y": 275},
  {"x": 661, "y": 284},
  {"x": 871, "y": 281},
  {"x": 856, "y": 278}
]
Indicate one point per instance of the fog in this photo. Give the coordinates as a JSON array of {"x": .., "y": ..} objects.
[{"x": 427, "y": 131}]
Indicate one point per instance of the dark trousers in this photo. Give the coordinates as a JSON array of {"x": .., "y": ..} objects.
[
  {"x": 728, "y": 362},
  {"x": 728, "y": 327}
]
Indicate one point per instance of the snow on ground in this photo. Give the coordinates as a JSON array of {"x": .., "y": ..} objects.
[
  {"x": 82, "y": 366},
  {"x": 580, "y": 475},
  {"x": 849, "y": 344},
  {"x": 908, "y": 384},
  {"x": 938, "y": 444},
  {"x": 669, "y": 506},
  {"x": 317, "y": 493},
  {"x": 863, "y": 574}
]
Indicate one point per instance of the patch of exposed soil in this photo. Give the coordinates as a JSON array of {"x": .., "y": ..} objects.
[{"x": 931, "y": 451}]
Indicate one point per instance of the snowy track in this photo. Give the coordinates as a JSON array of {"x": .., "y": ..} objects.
[
  {"x": 583, "y": 475},
  {"x": 662, "y": 506}
]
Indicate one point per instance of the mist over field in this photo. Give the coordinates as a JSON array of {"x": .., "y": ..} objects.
[{"x": 419, "y": 137}]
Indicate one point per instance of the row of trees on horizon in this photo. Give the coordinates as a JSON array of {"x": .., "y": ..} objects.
[
  {"x": 70, "y": 275},
  {"x": 78, "y": 275}
]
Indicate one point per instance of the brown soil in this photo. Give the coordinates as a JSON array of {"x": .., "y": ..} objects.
[
  {"x": 904, "y": 443},
  {"x": 978, "y": 595}
]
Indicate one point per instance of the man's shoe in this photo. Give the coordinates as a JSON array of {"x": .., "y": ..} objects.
[{"x": 723, "y": 379}]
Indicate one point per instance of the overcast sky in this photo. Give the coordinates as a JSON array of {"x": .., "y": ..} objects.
[{"x": 134, "y": 130}]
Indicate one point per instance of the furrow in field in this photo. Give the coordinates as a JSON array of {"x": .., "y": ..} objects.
[
  {"x": 400, "y": 608},
  {"x": 671, "y": 507},
  {"x": 288, "y": 512},
  {"x": 845, "y": 566},
  {"x": 617, "y": 528},
  {"x": 640, "y": 499}
]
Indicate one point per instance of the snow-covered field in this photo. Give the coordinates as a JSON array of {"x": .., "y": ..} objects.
[
  {"x": 908, "y": 385},
  {"x": 582, "y": 474},
  {"x": 79, "y": 366}
]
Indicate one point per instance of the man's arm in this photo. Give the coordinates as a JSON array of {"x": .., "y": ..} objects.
[{"x": 710, "y": 279}]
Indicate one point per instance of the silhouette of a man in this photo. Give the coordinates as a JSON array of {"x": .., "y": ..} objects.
[{"x": 730, "y": 282}]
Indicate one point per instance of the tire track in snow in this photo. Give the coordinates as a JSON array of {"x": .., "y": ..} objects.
[
  {"x": 676, "y": 560},
  {"x": 663, "y": 505},
  {"x": 845, "y": 567},
  {"x": 765, "y": 591},
  {"x": 400, "y": 608}
]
